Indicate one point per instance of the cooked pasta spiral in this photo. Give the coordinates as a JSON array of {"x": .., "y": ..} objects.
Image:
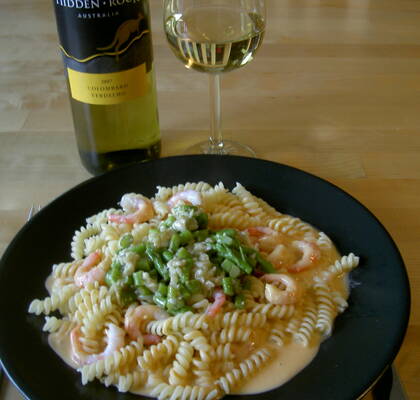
[
  {"x": 326, "y": 309},
  {"x": 246, "y": 369},
  {"x": 125, "y": 382},
  {"x": 117, "y": 360},
  {"x": 340, "y": 267},
  {"x": 183, "y": 359},
  {"x": 163, "y": 391},
  {"x": 78, "y": 242},
  {"x": 53, "y": 302},
  {"x": 159, "y": 352},
  {"x": 240, "y": 318},
  {"x": 273, "y": 311},
  {"x": 179, "y": 322},
  {"x": 231, "y": 334},
  {"x": 307, "y": 325}
]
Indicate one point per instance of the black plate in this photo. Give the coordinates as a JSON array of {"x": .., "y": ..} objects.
[{"x": 366, "y": 337}]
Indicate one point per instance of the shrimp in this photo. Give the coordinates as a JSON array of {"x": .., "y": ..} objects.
[
  {"x": 137, "y": 317},
  {"x": 310, "y": 254},
  {"x": 139, "y": 209},
  {"x": 288, "y": 293},
  {"x": 278, "y": 256},
  {"x": 259, "y": 231},
  {"x": 266, "y": 239},
  {"x": 188, "y": 196},
  {"x": 281, "y": 251},
  {"x": 216, "y": 306},
  {"x": 115, "y": 340},
  {"x": 87, "y": 272}
]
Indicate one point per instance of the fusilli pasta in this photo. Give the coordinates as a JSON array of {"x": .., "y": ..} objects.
[{"x": 190, "y": 293}]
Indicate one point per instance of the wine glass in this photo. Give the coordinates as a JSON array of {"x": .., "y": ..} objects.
[{"x": 215, "y": 36}]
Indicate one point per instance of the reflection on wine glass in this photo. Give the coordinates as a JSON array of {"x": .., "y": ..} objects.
[{"x": 215, "y": 36}]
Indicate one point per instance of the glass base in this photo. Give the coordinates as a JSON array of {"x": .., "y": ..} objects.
[{"x": 227, "y": 147}]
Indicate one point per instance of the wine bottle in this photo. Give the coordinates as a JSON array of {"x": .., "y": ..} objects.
[{"x": 107, "y": 53}]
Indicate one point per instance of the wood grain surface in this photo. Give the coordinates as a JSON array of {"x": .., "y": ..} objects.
[{"x": 334, "y": 90}]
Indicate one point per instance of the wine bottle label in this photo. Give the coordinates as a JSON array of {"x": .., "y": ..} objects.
[
  {"x": 106, "y": 47},
  {"x": 112, "y": 88}
]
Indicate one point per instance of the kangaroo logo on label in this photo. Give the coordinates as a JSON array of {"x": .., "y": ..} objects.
[
  {"x": 123, "y": 34},
  {"x": 121, "y": 38}
]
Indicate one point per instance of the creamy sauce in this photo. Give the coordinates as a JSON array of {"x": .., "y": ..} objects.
[
  {"x": 61, "y": 345},
  {"x": 288, "y": 362}
]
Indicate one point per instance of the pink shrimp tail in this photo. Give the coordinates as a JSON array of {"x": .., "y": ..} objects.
[
  {"x": 85, "y": 273},
  {"x": 260, "y": 231},
  {"x": 91, "y": 259},
  {"x": 96, "y": 274},
  {"x": 77, "y": 354},
  {"x": 143, "y": 214},
  {"x": 115, "y": 337},
  {"x": 216, "y": 307},
  {"x": 132, "y": 330},
  {"x": 189, "y": 196},
  {"x": 151, "y": 339},
  {"x": 310, "y": 255},
  {"x": 75, "y": 347},
  {"x": 126, "y": 219},
  {"x": 257, "y": 234},
  {"x": 118, "y": 219},
  {"x": 130, "y": 325}
]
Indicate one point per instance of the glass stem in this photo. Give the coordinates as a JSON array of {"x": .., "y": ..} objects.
[{"x": 215, "y": 111}]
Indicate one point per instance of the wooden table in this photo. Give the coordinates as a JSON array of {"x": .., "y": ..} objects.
[{"x": 335, "y": 90}]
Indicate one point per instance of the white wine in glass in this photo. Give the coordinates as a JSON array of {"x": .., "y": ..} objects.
[{"x": 215, "y": 36}]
